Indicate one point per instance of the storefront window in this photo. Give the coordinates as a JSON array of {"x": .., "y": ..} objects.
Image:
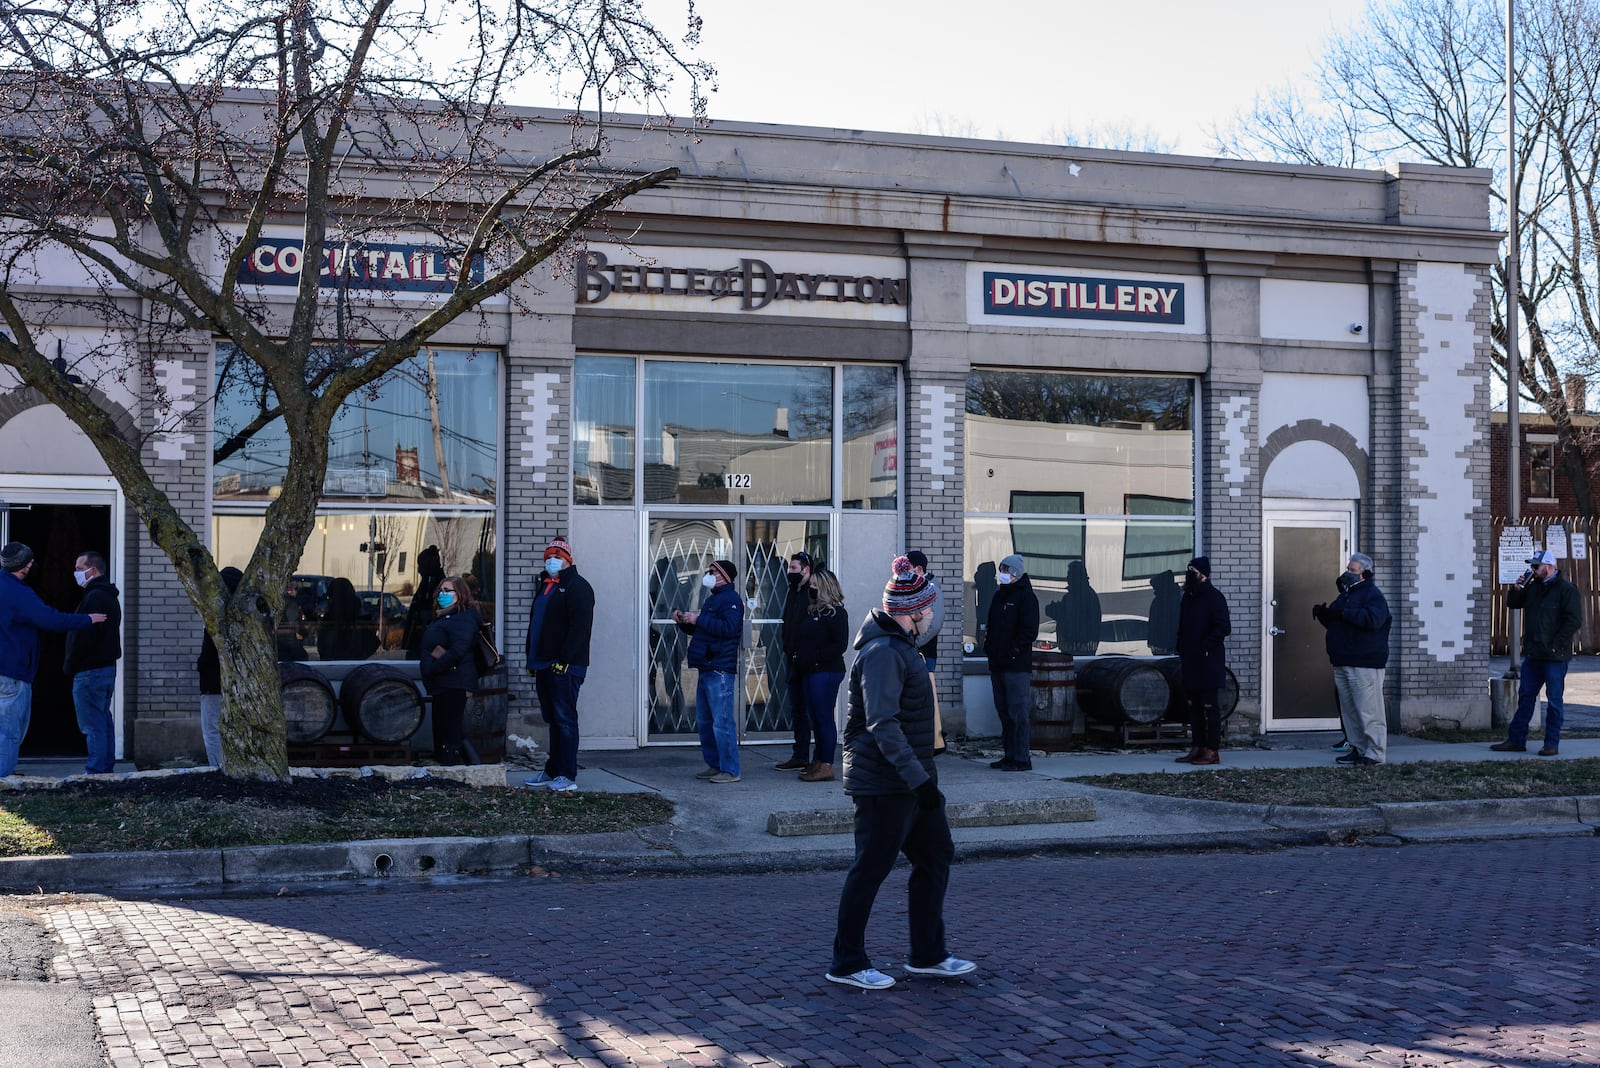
[
  {"x": 1090, "y": 479},
  {"x": 871, "y": 437},
  {"x": 352, "y": 595},
  {"x": 412, "y": 480},
  {"x": 740, "y": 434},
  {"x": 602, "y": 429},
  {"x": 426, "y": 433}
]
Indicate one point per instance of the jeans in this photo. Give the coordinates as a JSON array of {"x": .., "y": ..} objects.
[
  {"x": 1205, "y": 719},
  {"x": 887, "y": 826},
  {"x": 1366, "y": 723},
  {"x": 713, "y": 715},
  {"x": 821, "y": 692},
  {"x": 211, "y": 727},
  {"x": 1552, "y": 675},
  {"x": 800, "y": 713},
  {"x": 558, "y": 707},
  {"x": 91, "y": 696},
  {"x": 16, "y": 706},
  {"x": 1013, "y": 701}
]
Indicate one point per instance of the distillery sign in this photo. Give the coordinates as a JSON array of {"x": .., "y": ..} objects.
[
  {"x": 1082, "y": 297},
  {"x": 724, "y": 281}
]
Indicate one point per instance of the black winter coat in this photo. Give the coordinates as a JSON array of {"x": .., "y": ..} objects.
[
  {"x": 457, "y": 669},
  {"x": 820, "y": 639},
  {"x": 888, "y": 733},
  {"x": 1552, "y": 612},
  {"x": 99, "y": 644},
  {"x": 568, "y": 621},
  {"x": 1202, "y": 625},
  {"x": 1013, "y": 626}
]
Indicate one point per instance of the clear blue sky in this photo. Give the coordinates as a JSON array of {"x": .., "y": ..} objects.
[{"x": 1023, "y": 70}]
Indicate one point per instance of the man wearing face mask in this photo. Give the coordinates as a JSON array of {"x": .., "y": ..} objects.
[
  {"x": 714, "y": 634},
  {"x": 796, "y": 607},
  {"x": 91, "y": 662},
  {"x": 559, "y": 624},
  {"x": 1203, "y": 624},
  {"x": 1358, "y": 648},
  {"x": 1008, "y": 643},
  {"x": 22, "y": 616},
  {"x": 1551, "y": 616}
]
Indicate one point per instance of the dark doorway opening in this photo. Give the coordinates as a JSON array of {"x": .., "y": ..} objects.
[{"x": 57, "y": 533}]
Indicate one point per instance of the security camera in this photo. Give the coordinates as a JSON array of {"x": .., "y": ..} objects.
[{"x": 1356, "y": 328}]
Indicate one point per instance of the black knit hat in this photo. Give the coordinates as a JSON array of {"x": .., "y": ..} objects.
[
  {"x": 14, "y": 556},
  {"x": 726, "y": 569},
  {"x": 1201, "y": 564}
]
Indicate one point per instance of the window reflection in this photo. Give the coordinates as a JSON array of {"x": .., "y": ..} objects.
[
  {"x": 362, "y": 584},
  {"x": 871, "y": 437},
  {"x": 426, "y": 432},
  {"x": 602, "y": 430},
  {"x": 717, "y": 433}
]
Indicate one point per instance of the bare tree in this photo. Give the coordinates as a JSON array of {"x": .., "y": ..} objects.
[
  {"x": 1423, "y": 80},
  {"x": 153, "y": 143}
]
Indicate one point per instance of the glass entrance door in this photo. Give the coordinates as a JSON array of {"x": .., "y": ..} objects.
[{"x": 681, "y": 548}]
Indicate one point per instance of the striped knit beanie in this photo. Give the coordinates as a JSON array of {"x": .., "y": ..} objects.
[
  {"x": 558, "y": 547},
  {"x": 906, "y": 592}
]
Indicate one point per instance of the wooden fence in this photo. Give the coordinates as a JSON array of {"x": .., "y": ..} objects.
[{"x": 1585, "y": 574}]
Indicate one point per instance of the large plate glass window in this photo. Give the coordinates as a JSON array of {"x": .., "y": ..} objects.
[
  {"x": 413, "y": 466},
  {"x": 1090, "y": 478}
]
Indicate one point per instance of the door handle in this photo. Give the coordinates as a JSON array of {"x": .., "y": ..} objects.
[{"x": 1276, "y": 632}]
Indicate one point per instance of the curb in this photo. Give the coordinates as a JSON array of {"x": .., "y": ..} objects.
[{"x": 1013, "y": 813}]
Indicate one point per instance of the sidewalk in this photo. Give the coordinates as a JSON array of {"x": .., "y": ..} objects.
[{"x": 761, "y": 823}]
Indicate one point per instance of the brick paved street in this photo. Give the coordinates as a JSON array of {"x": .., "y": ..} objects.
[{"x": 1489, "y": 957}]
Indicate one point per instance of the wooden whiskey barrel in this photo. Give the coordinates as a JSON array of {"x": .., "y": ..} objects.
[
  {"x": 308, "y": 707},
  {"x": 1120, "y": 689},
  {"x": 381, "y": 703}
]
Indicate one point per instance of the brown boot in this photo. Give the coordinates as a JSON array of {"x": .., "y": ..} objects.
[
  {"x": 817, "y": 773},
  {"x": 1207, "y": 756},
  {"x": 1188, "y": 758}
]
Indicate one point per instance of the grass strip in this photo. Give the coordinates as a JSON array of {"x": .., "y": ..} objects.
[
  {"x": 207, "y": 811},
  {"x": 1350, "y": 787}
]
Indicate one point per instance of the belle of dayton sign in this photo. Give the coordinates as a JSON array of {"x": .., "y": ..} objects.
[{"x": 716, "y": 280}]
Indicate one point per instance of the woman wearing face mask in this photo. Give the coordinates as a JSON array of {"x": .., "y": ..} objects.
[
  {"x": 820, "y": 639},
  {"x": 449, "y": 669}
]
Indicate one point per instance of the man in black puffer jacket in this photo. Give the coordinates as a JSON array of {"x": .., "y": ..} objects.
[
  {"x": 1358, "y": 648},
  {"x": 889, "y": 774}
]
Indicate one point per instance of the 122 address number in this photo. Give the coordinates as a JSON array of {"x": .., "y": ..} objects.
[{"x": 735, "y": 481}]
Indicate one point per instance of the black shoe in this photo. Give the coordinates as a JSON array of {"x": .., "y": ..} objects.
[
  {"x": 794, "y": 763},
  {"x": 1363, "y": 760},
  {"x": 1017, "y": 765},
  {"x": 1351, "y": 757},
  {"x": 1508, "y": 747},
  {"x": 1000, "y": 765}
]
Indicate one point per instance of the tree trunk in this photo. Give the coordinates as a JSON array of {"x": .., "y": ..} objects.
[{"x": 253, "y": 740}]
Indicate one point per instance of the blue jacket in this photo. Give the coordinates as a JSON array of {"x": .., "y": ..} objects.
[
  {"x": 22, "y": 616},
  {"x": 1358, "y": 627},
  {"x": 715, "y": 633}
]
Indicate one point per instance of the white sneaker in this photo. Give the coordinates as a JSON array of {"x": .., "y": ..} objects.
[
  {"x": 563, "y": 785},
  {"x": 540, "y": 781},
  {"x": 948, "y": 968},
  {"x": 866, "y": 979}
]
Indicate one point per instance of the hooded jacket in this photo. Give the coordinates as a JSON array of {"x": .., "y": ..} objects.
[
  {"x": 1358, "y": 626},
  {"x": 1552, "y": 612},
  {"x": 22, "y": 616},
  {"x": 888, "y": 732},
  {"x": 1013, "y": 626},
  {"x": 98, "y": 645},
  {"x": 714, "y": 635}
]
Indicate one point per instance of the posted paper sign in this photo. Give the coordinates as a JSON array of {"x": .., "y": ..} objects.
[
  {"x": 1555, "y": 539},
  {"x": 1516, "y": 545},
  {"x": 1580, "y": 546}
]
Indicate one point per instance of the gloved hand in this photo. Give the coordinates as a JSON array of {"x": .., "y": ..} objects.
[
  {"x": 559, "y": 669},
  {"x": 1318, "y": 611},
  {"x": 928, "y": 796}
]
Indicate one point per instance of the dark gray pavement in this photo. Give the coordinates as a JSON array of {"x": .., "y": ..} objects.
[{"x": 1424, "y": 955}]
